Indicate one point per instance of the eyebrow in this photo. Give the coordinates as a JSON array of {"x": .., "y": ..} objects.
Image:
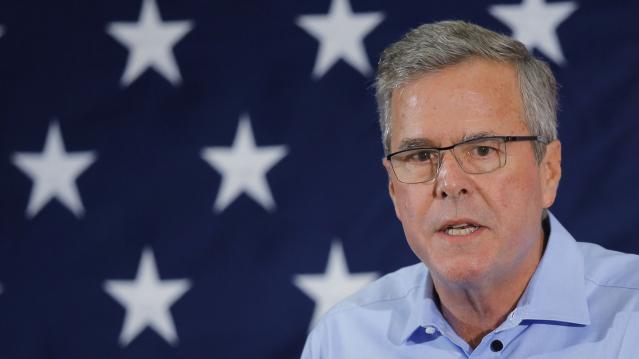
[
  {"x": 424, "y": 142},
  {"x": 410, "y": 143},
  {"x": 474, "y": 136}
]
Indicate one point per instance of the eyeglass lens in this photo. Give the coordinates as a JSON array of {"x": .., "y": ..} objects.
[{"x": 476, "y": 156}]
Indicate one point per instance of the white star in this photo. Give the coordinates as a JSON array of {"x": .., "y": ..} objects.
[
  {"x": 243, "y": 167},
  {"x": 535, "y": 23},
  {"x": 150, "y": 42},
  {"x": 334, "y": 285},
  {"x": 147, "y": 300},
  {"x": 54, "y": 173},
  {"x": 341, "y": 35}
]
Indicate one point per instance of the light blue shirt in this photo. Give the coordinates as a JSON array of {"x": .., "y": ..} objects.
[{"x": 582, "y": 302}]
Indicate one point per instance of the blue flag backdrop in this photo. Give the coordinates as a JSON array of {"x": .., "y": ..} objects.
[{"x": 201, "y": 179}]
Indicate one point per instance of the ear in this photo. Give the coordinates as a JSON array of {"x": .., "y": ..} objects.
[
  {"x": 550, "y": 173},
  {"x": 391, "y": 185}
]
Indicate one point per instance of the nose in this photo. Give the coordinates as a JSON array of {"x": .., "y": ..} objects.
[{"x": 451, "y": 180}]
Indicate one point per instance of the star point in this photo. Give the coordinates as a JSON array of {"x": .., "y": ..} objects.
[
  {"x": 341, "y": 35},
  {"x": 150, "y": 42},
  {"x": 243, "y": 167},
  {"x": 147, "y": 300},
  {"x": 334, "y": 285},
  {"x": 54, "y": 173},
  {"x": 535, "y": 22}
]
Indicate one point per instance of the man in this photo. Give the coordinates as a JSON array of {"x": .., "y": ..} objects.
[{"x": 468, "y": 121}]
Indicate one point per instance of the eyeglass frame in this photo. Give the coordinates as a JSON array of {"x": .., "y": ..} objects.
[{"x": 506, "y": 139}]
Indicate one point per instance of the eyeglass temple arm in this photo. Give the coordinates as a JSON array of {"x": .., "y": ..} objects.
[{"x": 542, "y": 139}]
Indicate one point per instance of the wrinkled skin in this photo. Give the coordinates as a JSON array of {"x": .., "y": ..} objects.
[{"x": 475, "y": 96}]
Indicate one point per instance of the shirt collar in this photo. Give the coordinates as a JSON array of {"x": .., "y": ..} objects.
[
  {"x": 418, "y": 308},
  {"x": 556, "y": 292}
]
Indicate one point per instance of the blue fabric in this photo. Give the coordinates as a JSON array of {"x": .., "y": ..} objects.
[{"x": 582, "y": 302}]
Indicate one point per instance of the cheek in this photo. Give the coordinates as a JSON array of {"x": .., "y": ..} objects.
[
  {"x": 518, "y": 195},
  {"x": 413, "y": 201}
]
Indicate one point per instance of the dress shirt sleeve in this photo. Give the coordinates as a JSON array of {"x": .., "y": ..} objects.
[
  {"x": 313, "y": 345},
  {"x": 311, "y": 348}
]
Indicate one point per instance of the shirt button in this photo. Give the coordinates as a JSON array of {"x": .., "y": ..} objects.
[
  {"x": 430, "y": 330},
  {"x": 496, "y": 345},
  {"x": 512, "y": 316}
]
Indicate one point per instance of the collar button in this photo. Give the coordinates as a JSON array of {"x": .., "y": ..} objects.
[
  {"x": 496, "y": 345},
  {"x": 430, "y": 330}
]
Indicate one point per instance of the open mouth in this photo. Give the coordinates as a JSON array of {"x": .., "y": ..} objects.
[{"x": 460, "y": 229}]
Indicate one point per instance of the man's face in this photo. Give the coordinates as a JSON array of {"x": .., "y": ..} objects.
[{"x": 441, "y": 109}]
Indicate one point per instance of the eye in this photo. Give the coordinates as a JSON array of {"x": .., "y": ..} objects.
[
  {"x": 420, "y": 156},
  {"x": 483, "y": 151},
  {"x": 417, "y": 156}
]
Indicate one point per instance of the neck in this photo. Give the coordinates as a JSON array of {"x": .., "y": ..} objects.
[
  {"x": 475, "y": 310},
  {"x": 473, "y": 313}
]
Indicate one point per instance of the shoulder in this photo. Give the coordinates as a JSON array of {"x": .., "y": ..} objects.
[
  {"x": 391, "y": 287},
  {"x": 366, "y": 315},
  {"x": 608, "y": 268},
  {"x": 373, "y": 304}
]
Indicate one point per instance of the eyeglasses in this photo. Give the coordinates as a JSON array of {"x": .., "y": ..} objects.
[{"x": 474, "y": 156}]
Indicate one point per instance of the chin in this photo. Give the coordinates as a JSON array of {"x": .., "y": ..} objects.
[{"x": 462, "y": 271}]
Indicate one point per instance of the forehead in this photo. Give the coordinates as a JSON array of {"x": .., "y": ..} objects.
[{"x": 474, "y": 96}]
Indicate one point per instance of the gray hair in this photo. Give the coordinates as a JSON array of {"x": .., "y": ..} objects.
[{"x": 432, "y": 47}]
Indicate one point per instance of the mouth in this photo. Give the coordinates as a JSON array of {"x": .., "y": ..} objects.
[{"x": 460, "y": 228}]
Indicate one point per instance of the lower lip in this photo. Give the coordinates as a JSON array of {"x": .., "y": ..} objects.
[{"x": 462, "y": 238}]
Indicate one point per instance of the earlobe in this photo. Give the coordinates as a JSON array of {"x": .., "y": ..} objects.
[
  {"x": 389, "y": 172},
  {"x": 391, "y": 189},
  {"x": 551, "y": 172},
  {"x": 391, "y": 185},
  {"x": 391, "y": 192}
]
